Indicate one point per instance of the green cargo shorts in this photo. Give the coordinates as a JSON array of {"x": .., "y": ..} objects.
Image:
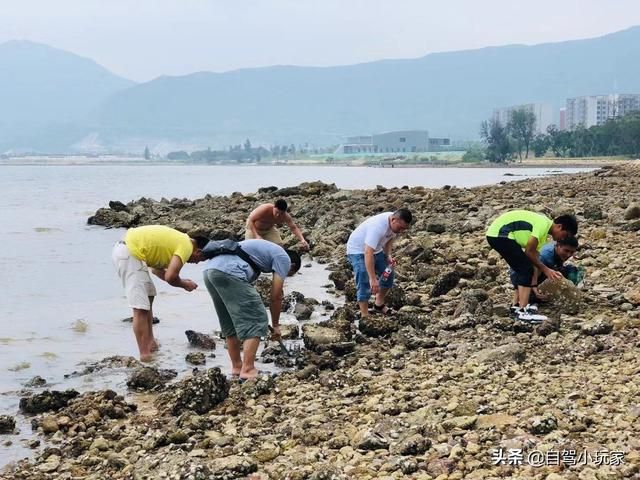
[{"x": 239, "y": 307}]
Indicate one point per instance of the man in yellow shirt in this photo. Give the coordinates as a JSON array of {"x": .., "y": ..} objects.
[
  {"x": 165, "y": 251},
  {"x": 518, "y": 236}
]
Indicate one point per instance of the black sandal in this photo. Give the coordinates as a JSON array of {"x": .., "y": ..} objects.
[{"x": 383, "y": 310}]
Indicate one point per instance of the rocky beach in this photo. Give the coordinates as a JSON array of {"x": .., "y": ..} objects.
[{"x": 450, "y": 388}]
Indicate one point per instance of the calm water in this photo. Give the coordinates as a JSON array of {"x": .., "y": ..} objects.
[{"x": 57, "y": 271}]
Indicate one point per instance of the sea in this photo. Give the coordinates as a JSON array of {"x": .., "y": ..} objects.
[{"x": 62, "y": 305}]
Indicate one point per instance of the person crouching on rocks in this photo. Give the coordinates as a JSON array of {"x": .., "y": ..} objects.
[
  {"x": 166, "y": 251},
  {"x": 264, "y": 220},
  {"x": 516, "y": 230},
  {"x": 553, "y": 255},
  {"x": 242, "y": 315},
  {"x": 369, "y": 252}
]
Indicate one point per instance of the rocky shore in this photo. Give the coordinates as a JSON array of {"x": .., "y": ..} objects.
[{"x": 451, "y": 388}]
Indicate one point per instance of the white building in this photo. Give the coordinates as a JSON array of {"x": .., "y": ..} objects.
[
  {"x": 542, "y": 111},
  {"x": 401, "y": 141},
  {"x": 593, "y": 110}
]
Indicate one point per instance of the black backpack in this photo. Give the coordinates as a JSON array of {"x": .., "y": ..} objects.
[{"x": 229, "y": 247}]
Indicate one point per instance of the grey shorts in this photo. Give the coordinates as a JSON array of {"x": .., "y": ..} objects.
[{"x": 239, "y": 307}]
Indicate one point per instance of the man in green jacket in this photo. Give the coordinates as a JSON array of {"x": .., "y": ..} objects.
[{"x": 518, "y": 236}]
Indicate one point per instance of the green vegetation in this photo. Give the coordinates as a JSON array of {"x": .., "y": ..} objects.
[{"x": 619, "y": 136}]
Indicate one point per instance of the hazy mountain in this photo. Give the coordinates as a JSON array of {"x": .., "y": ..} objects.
[
  {"x": 447, "y": 93},
  {"x": 46, "y": 94}
]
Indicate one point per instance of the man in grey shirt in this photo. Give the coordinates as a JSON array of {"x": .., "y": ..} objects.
[{"x": 243, "y": 317}]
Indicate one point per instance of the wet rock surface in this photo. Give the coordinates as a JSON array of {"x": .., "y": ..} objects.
[
  {"x": 434, "y": 398},
  {"x": 150, "y": 378},
  {"x": 49, "y": 400},
  {"x": 7, "y": 424},
  {"x": 198, "y": 393},
  {"x": 200, "y": 340}
]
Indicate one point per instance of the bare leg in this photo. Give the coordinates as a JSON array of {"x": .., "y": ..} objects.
[
  {"x": 233, "y": 347},
  {"x": 364, "y": 308},
  {"x": 250, "y": 348},
  {"x": 381, "y": 295},
  {"x": 516, "y": 298},
  {"x": 143, "y": 333},
  {"x": 523, "y": 295},
  {"x": 154, "y": 344}
]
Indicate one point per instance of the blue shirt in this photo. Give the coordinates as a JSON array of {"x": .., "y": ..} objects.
[
  {"x": 549, "y": 258},
  {"x": 267, "y": 255}
]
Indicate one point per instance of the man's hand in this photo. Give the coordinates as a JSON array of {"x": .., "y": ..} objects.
[
  {"x": 375, "y": 287},
  {"x": 539, "y": 296},
  {"x": 391, "y": 261},
  {"x": 189, "y": 285},
  {"x": 275, "y": 333},
  {"x": 553, "y": 275},
  {"x": 304, "y": 245}
]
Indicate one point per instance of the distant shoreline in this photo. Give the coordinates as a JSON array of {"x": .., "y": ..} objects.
[{"x": 529, "y": 163}]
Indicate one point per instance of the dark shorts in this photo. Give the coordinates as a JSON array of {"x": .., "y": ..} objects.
[
  {"x": 515, "y": 257},
  {"x": 363, "y": 289},
  {"x": 238, "y": 304}
]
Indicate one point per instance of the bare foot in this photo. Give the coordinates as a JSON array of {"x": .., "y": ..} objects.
[
  {"x": 146, "y": 357},
  {"x": 154, "y": 345},
  {"x": 248, "y": 374}
]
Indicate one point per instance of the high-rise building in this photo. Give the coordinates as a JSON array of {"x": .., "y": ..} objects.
[
  {"x": 563, "y": 119},
  {"x": 593, "y": 110},
  {"x": 542, "y": 111}
]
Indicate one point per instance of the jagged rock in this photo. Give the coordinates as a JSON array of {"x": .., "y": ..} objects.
[
  {"x": 200, "y": 340},
  {"x": 196, "y": 358},
  {"x": 436, "y": 227},
  {"x": 7, "y": 424},
  {"x": 445, "y": 283},
  {"x": 414, "y": 444},
  {"x": 199, "y": 393},
  {"x": 512, "y": 352},
  {"x": 319, "y": 339},
  {"x": 632, "y": 212},
  {"x": 149, "y": 378},
  {"x": 371, "y": 440},
  {"x": 596, "y": 327},
  {"x": 36, "y": 381},
  {"x": 116, "y": 361},
  {"x": 302, "y": 311},
  {"x": 543, "y": 425},
  {"x": 377, "y": 325},
  {"x": 47, "y": 401},
  {"x": 234, "y": 466},
  {"x": 117, "y": 206}
]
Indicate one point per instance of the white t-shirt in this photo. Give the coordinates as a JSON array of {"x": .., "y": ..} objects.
[{"x": 374, "y": 232}]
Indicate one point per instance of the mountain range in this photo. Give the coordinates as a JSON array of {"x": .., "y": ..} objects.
[{"x": 57, "y": 101}]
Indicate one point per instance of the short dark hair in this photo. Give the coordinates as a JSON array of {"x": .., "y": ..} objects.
[
  {"x": 569, "y": 223},
  {"x": 281, "y": 204},
  {"x": 201, "y": 241},
  {"x": 296, "y": 261},
  {"x": 403, "y": 214},
  {"x": 570, "y": 241}
]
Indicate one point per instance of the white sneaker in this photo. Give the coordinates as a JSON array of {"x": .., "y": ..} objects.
[
  {"x": 531, "y": 308},
  {"x": 525, "y": 315}
]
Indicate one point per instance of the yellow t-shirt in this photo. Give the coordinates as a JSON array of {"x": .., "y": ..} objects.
[{"x": 156, "y": 244}]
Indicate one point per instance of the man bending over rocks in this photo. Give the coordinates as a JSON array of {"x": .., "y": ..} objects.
[
  {"x": 516, "y": 230},
  {"x": 163, "y": 249},
  {"x": 242, "y": 315},
  {"x": 369, "y": 252},
  {"x": 553, "y": 255},
  {"x": 263, "y": 220}
]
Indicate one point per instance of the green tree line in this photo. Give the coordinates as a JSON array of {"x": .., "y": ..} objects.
[{"x": 503, "y": 143}]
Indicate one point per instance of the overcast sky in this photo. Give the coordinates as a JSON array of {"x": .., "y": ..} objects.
[{"x": 142, "y": 39}]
